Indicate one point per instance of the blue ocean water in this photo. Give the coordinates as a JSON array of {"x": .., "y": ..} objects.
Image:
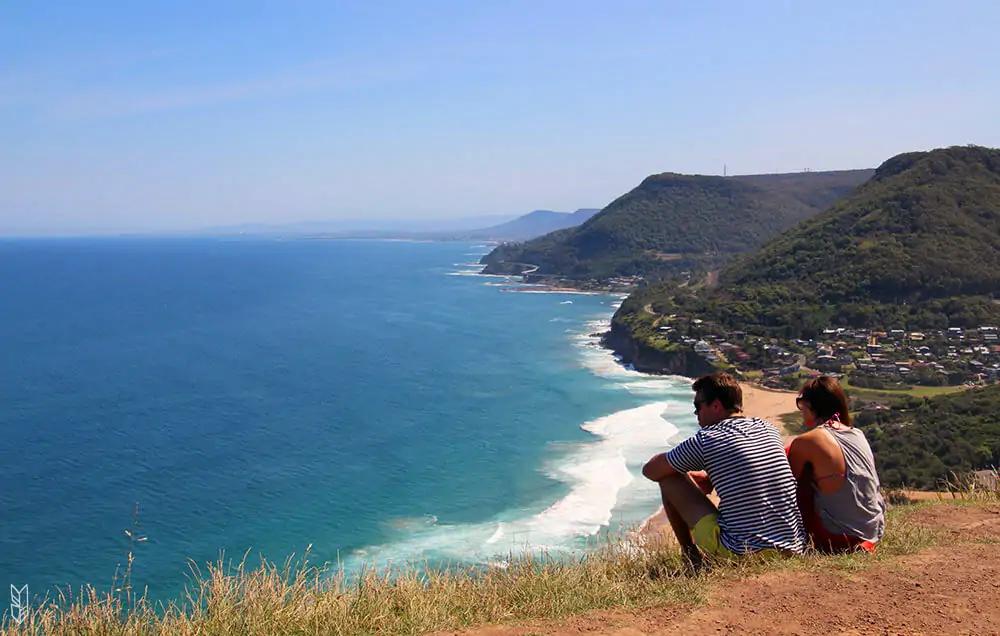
[{"x": 372, "y": 399}]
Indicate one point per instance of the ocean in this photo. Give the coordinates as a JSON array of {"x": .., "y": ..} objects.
[{"x": 375, "y": 400}]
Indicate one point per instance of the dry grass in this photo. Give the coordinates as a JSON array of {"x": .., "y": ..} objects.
[
  {"x": 297, "y": 597},
  {"x": 301, "y": 598},
  {"x": 982, "y": 485}
]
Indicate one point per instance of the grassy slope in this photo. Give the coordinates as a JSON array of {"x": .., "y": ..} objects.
[{"x": 303, "y": 599}]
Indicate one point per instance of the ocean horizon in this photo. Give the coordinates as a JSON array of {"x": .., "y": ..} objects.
[{"x": 378, "y": 401}]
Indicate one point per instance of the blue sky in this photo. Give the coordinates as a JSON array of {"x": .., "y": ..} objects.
[{"x": 140, "y": 116}]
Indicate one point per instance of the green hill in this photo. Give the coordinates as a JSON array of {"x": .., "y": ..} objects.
[
  {"x": 923, "y": 445},
  {"x": 915, "y": 247},
  {"x": 672, "y": 222}
]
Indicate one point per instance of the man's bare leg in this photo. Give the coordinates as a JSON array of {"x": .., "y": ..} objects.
[{"x": 685, "y": 505}]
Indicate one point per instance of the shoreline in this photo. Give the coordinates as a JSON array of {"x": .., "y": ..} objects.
[{"x": 758, "y": 401}]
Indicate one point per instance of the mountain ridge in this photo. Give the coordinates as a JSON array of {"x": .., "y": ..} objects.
[{"x": 659, "y": 227}]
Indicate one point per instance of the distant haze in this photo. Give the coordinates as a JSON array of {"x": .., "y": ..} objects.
[{"x": 138, "y": 117}]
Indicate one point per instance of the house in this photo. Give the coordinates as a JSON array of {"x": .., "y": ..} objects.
[
  {"x": 874, "y": 406},
  {"x": 828, "y": 363}
]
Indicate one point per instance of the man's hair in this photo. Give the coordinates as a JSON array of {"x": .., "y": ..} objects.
[
  {"x": 722, "y": 387},
  {"x": 826, "y": 398}
]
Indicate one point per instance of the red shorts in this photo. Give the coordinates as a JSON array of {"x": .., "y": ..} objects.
[{"x": 823, "y": 539}]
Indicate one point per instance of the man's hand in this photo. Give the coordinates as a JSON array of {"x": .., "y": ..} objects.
[{"x": 701, "y": 480}]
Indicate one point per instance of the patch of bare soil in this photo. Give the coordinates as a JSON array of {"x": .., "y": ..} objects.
[{"x": 954, "y": 589}]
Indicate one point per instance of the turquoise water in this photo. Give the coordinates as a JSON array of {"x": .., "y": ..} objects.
[{"x": 372, "y": 399}]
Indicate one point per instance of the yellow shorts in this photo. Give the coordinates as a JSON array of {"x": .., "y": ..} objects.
[{"x": 706, "y": 536}]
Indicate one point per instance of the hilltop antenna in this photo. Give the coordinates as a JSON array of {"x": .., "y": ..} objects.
[{"x": 725, "y": 169}]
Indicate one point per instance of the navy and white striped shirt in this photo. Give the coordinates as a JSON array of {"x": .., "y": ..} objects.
[{"x": 745, "y": 459}]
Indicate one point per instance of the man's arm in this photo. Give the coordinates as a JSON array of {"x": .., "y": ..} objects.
[
  {"x": 658, "y": 468},
  {"x": 683, "y": 458}
]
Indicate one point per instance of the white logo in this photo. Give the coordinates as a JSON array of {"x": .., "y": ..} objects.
[{"x": 18, "y": 603}]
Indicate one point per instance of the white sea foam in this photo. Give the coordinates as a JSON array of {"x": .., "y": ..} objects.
[
  {"x": 602, "y": 476},
  {"x": 512, "y": 282},
  {"x": 550, "y": 291},
  {"x": 566, "y": 302},
  {"x": 595, "y": 472},
  {"x": 473, "y": 272}
]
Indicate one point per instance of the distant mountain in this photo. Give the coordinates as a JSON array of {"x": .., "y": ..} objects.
[
  {"x": 361, "y": 228},
  {"x": 916, "y": 247},
  {"x": 672, "y": 222},
  {"x": 532, "y": 225}
]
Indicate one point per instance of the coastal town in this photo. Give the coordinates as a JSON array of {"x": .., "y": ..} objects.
[{"x": 875, "y": 359}]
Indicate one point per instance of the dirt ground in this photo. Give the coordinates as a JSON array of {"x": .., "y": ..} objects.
[{"x": 945, "y": 590}]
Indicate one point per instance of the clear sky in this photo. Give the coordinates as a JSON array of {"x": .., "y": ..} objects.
[{"x": 125, "y": 115}]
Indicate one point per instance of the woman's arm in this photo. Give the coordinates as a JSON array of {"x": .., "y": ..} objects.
[{"x": 801, "y": 453}]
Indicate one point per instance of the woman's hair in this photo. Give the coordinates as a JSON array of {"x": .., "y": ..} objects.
[{"x": 826, "y": 399}]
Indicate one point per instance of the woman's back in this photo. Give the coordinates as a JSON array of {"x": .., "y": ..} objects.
[{"x": 857, "y": 507}]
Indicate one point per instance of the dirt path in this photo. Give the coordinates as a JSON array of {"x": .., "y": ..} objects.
[{"x": 947, "y": 590}]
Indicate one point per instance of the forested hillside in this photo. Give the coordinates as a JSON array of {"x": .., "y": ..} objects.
[
  {"x": 922, "y": 446},
  {"x": 673, "y": 222},
  {"x": 915, "y": 247}
]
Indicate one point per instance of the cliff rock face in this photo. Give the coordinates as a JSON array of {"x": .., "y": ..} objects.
[{"x": 645, "y": 359}]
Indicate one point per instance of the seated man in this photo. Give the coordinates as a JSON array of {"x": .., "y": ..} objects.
[{"x": 744, "y": 459}]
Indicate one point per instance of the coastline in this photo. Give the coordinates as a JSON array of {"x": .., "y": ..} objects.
[{"x": 758, "y": 401}]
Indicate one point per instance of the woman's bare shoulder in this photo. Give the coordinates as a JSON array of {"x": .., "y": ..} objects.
[{"x": 809, "y": 439}]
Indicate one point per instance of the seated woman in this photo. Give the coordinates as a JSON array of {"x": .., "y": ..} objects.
[{"x": 838, "y": 492}]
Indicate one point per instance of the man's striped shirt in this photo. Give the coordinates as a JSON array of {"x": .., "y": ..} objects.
[{"x": 745, "y": 459}]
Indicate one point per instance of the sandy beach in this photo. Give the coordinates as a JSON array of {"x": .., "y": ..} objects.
[{"x": 767, "y": 404}]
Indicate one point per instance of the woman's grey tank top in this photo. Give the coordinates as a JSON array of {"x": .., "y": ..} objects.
[{"x": 858, "y": 508}]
